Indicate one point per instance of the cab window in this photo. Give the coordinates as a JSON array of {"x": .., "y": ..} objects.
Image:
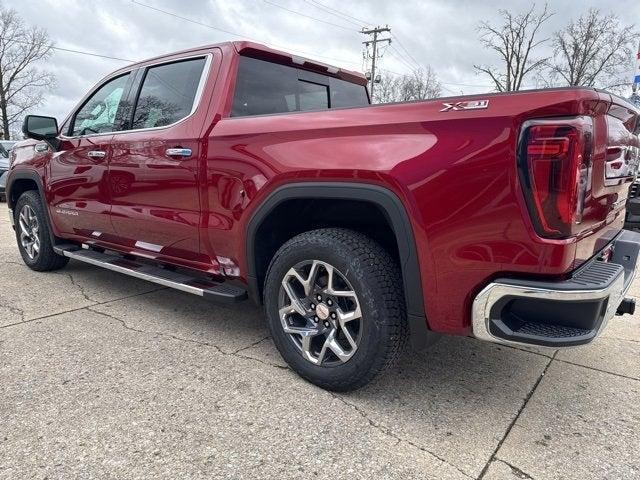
[
  {"x": 99, "y": 112},
  {"x": 168, "y": 93},
  {"x": 264, "y": 88}
]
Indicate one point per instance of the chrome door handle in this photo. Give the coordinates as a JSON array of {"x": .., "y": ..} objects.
[
  {"x": 96, "y": 154},
  {"x": 178, "y": 152}
]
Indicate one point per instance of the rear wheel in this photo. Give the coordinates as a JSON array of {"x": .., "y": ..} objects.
[
  {"x": 32, "y": 233},
  {"x": 335, "y": 307}
]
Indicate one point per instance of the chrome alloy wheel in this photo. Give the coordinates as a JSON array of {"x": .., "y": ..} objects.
[
  {"x": 29, "y": 228},
  {"x": 320, "y": 312}
]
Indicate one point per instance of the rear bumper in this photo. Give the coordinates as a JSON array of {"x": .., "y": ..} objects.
[{"x": 558, "y": 314}]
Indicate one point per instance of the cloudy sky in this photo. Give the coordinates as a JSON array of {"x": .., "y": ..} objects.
[{"x": 438, "y": 33}]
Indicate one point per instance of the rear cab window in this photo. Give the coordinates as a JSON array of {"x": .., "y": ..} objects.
[{"x": 264, "y": 88}]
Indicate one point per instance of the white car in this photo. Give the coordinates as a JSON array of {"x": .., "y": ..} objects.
[{"x": 5, "y": 148}]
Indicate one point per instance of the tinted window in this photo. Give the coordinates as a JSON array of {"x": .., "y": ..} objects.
[
  {"x": 263, "y": 87},
  {"x": 312, "y": 96},
  {"x": 168, "y": 93},
  {"x": 98, "y": 114},
  {"x": 345, "y": 94},
  {"x": 266, "y": 88}
]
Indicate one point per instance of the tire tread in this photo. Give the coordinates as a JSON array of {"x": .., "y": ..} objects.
[
  {"x": 47, "y": 259},
  {"x": 384, "y": 278}
]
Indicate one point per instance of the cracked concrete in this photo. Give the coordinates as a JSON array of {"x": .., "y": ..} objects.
[
  {"x": 391, "y": 434},
  {"x": 105, "y": 376},
  {"x": 501, "y": 470},
  {"x": 513, "y": 423}
]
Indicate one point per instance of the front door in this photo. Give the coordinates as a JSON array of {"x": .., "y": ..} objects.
[
  {"x": 154, "y": 167},
  {"x": 78, "y": 171}
]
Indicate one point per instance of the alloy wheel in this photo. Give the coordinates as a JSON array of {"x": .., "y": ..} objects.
[
  {"x": 320, "y": 312},
  {"x": 29, "y": 229}
]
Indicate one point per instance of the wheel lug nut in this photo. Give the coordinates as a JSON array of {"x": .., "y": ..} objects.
[
  {"x": 329, "y": 302},
  {"x": 315, "y": 319},
  {"x": 326, "y": 324},
  {"x": 333, "y": 315},
  {"x": 319, "y": 297},
  {"x": 313, "y": 306}
]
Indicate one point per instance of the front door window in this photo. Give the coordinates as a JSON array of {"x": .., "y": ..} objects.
[{"x": 99, "y": 113}]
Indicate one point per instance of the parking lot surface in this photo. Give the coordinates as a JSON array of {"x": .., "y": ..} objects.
[{"x": 105, "y": 376}]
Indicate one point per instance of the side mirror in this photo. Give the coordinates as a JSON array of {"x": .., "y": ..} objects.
[{"x": 41, "y": 128}]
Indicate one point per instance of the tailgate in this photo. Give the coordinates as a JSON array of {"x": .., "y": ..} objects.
[{"x": 616, "y": 154}]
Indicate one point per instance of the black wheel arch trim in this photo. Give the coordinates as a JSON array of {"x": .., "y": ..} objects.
[
  {"x": 397, "y": 215},
  {"x": 35, "y": 177}
]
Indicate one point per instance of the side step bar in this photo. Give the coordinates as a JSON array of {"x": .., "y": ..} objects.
[{"x": 220, "y": 292}]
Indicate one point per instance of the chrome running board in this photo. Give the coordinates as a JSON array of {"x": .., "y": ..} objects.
[{"x": 217, "y": 291}]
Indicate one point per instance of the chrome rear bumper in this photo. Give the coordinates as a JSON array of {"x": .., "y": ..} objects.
[{"x": 558, "y": 314}]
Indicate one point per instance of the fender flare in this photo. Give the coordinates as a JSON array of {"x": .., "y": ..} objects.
[
  {"x": 389, "y": 203},
  {"x": 35, "y": 177}
]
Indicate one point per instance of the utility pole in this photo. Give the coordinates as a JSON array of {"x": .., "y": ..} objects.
[{"x": 374, "y": 43}]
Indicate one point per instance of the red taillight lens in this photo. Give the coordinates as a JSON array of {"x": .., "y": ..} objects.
[{"x": 555, "y": 164}]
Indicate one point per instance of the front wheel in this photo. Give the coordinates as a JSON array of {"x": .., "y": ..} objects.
[
  {"x": 32, "y": 233},
  {"x": 335, "y": 307}
]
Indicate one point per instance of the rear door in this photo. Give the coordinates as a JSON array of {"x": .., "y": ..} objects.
[
  {"x": 78, "y": 172},
  {"x": 154, "y": 168}
]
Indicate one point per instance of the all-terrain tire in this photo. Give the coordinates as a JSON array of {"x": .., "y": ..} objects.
[
  {"x": 46, "y": 258},
  {"x": 375, "y": 278}
]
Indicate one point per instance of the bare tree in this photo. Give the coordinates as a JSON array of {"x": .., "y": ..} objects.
[
  {"x": 514, "y": 41},
  {"x": 419, "y": 85},
  {"x": 21, "y": 84},
  {"x": 594, "y": 50}
]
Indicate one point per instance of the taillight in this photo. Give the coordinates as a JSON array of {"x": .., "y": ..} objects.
[{"x": 555, "y": 170}]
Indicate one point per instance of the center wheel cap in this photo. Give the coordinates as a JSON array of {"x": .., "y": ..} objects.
[{"x": 322, "y": 311}]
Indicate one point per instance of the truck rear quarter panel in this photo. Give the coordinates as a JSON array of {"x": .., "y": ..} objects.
[{"x": 455, "y": 172}]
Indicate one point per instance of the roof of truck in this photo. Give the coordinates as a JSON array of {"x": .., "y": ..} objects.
[{"x": 259, "y": 50}]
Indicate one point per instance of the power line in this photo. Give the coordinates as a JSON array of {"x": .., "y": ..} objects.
[
  {"x": 81, "y": 52},
  {"x": 93, "y": 54},
  {"x": 401, "y": 58},
  {"x": 338, "y": 13},
  {"x": 308, "y": 16},
  {"x": 395, "y": 37},
  {"x": 228, "y": 32},
  {"x": 352, "y": 19},
  {"x": 348, "y": 17}
]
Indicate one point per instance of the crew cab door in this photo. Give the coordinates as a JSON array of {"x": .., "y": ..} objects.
[
  {"x": 154, "y": 167},
  {"x": 78, "y": 172}
]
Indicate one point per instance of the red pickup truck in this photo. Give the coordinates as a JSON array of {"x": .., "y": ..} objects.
[{"x": 235, "y": 171}]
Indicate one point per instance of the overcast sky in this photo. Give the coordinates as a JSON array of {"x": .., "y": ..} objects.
[{"x": 438, "y": 33}]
